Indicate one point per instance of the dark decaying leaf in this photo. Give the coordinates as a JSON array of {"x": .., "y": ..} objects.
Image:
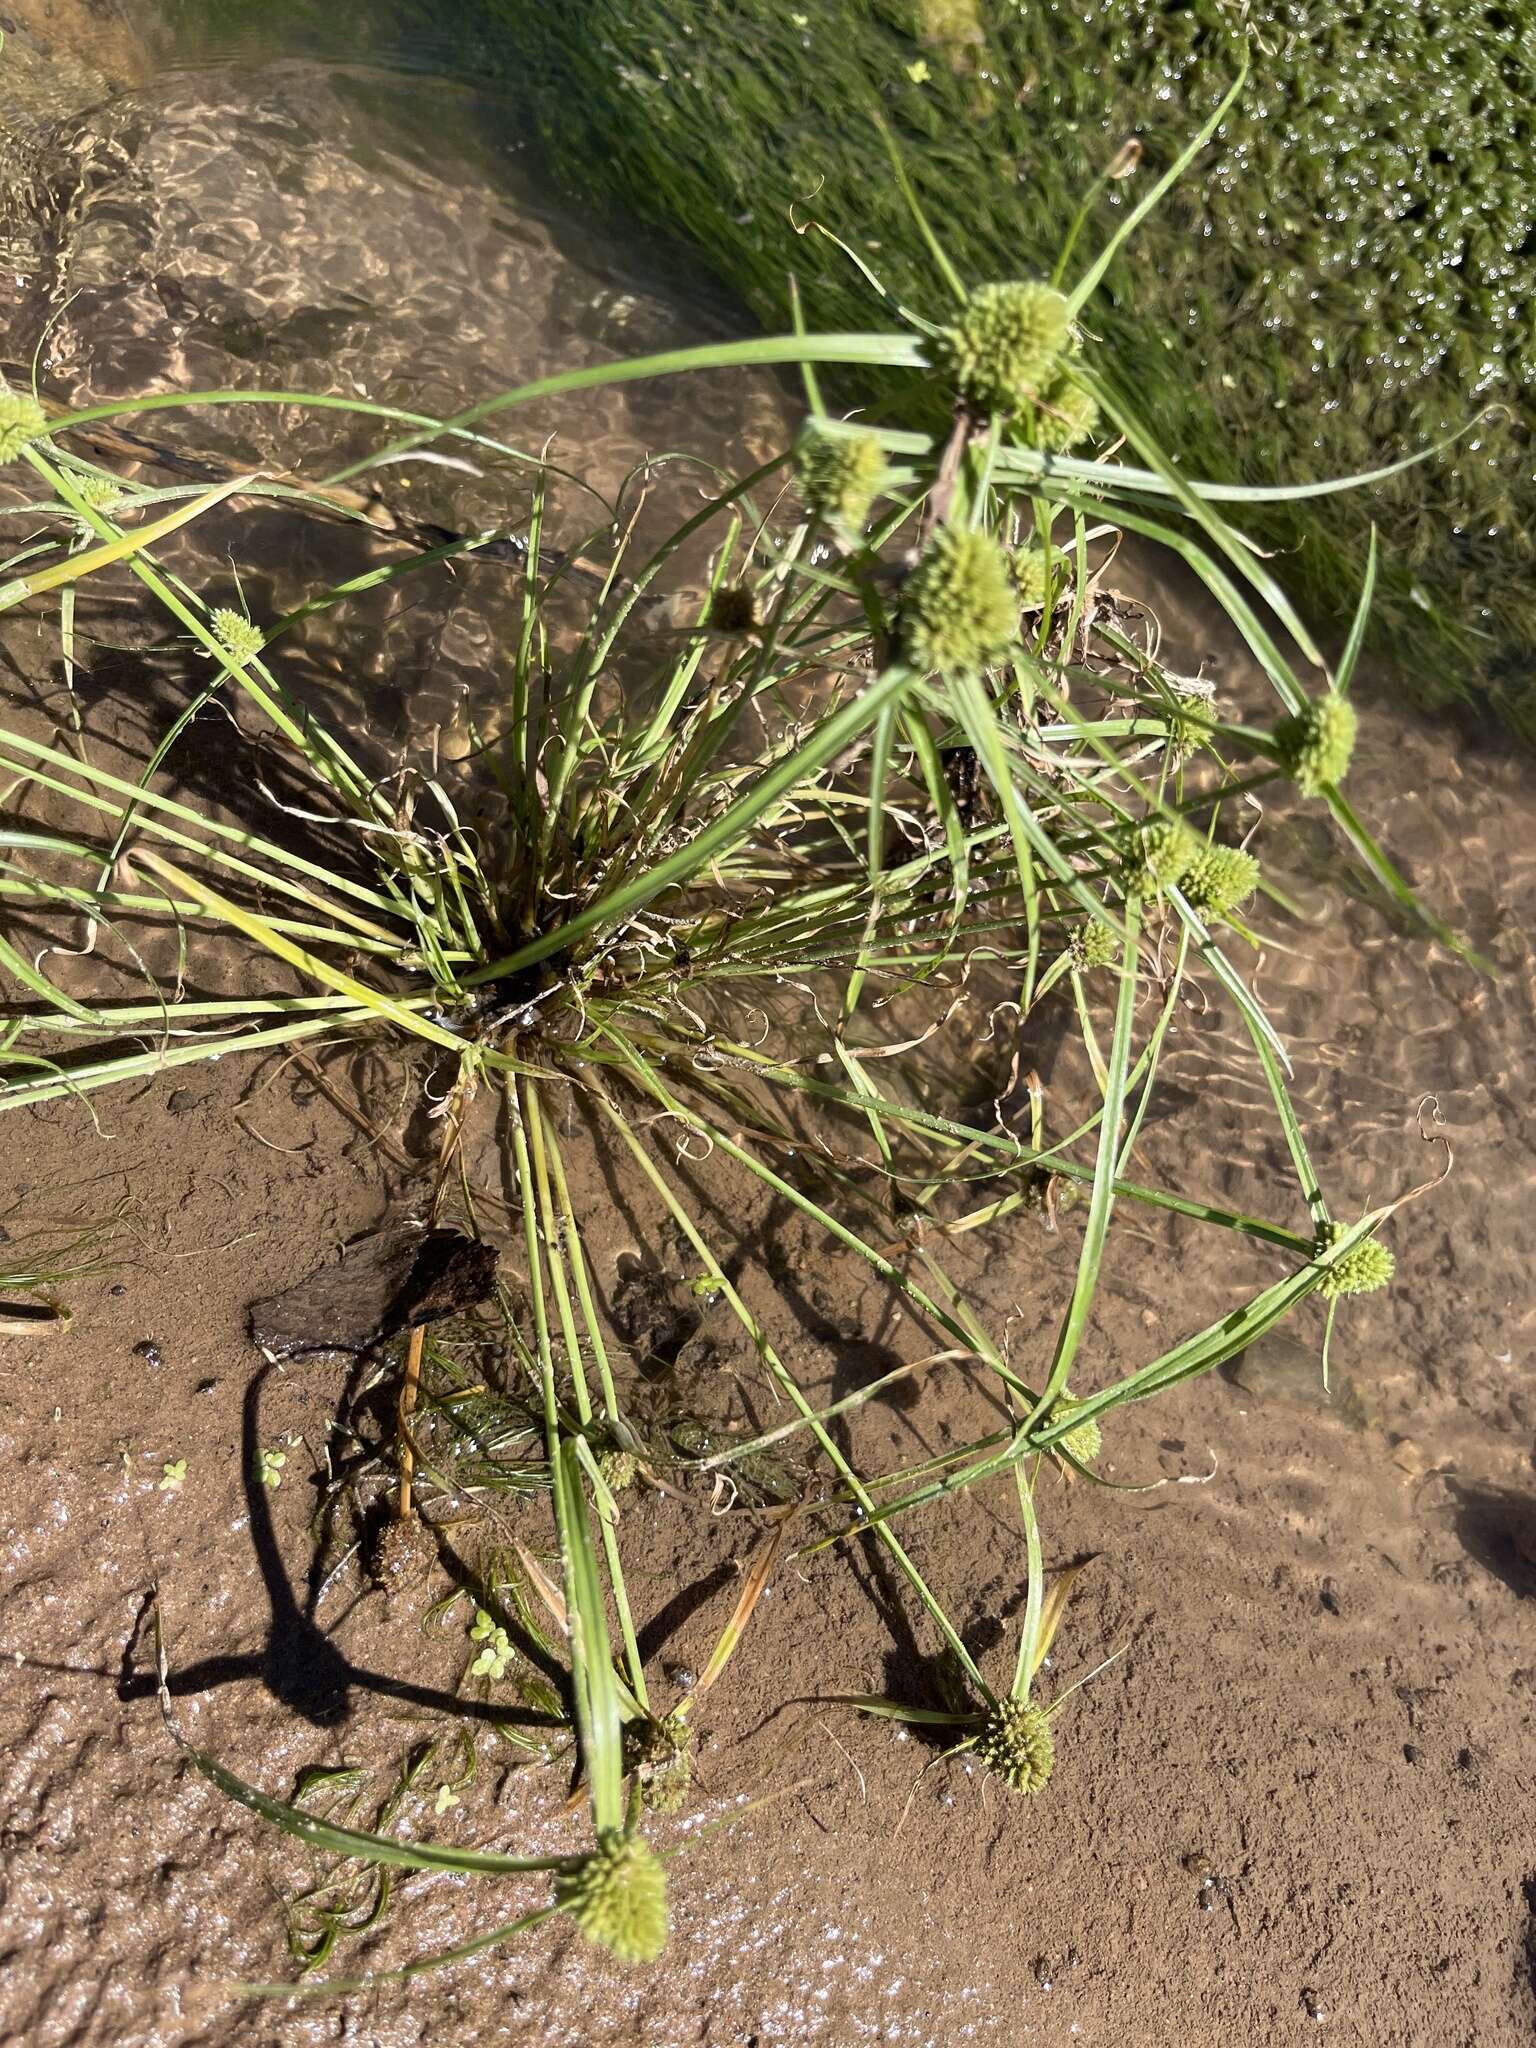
[
  {"x": 392, "y": 1280},
  {"x": 31, "y": 1318}
]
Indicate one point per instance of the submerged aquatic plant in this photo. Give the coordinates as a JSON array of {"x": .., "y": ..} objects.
[
  {"x": 36, "y": 1259},
  {"x": 870, "y": 772}
]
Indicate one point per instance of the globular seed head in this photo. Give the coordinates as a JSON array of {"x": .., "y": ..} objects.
[
  {"x": 22, "y": 420},
  {"x": 1094, "y": 945},
  {"x": 1186, "y": 736},
  {"x": 1363, "y": 1269},
  {"x": 618, "y": 1898},
  {"x": 101, "y": 493},
  {"x": 1314, "y": 745},
  {"x": 241, "y": 638},
  {"x": 840, "y": 476},
  {"x": 1032, "y": 578},
  {"x": 1003, "y": 350},
  {"x": 1220, "y": 880},
  {"x": 959, "y": 609},
  {"x": 1159, "y": 855},
  {"x": 1065, "y": 415},
  {"x": 664, "y": 1787},
  {"x": 1016, "y": 1744},
  {"x": 1085, "y": 1441},
  {"x": 618, "y": 1469},
  {"x": 732, "y": 609},
  {"x": 403, "y": 1550}
]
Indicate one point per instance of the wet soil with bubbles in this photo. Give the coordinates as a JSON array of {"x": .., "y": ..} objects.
[{"x": 1296, "y": 1807}]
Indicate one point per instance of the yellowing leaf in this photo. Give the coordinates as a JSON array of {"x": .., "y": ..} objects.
[
  {"x": 74, "y": 567},
  {"x": 1053, "y": 1607}
]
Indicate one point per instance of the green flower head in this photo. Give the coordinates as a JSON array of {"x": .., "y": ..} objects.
[
  {"x": 1085, "y": 1441},
  {"x": 1314, "y": 746},
  {"x": 1362, "y": 1270},
  {"x": 1016, "y": 1744},
  {"x": 1032, "y": 578},
  {"x": 1065, "y": 415},
  {"x": 1185, "y": 737},
  {"x": 732, "y": 609},
  {"x": 664, "y": 1787},
  {"x": 1159, "y": 856},
  {"x": 840, "y": 475},
  {"x": 1002, "y": 351},
  {"x": 1220, "y": 880},
  {"x": 1094, "y": 945},
  {"x": 241, "y": 638},
  {"x": 618, "y": 1469},
  {"x": 22, "y": 420},
  {"x": 618, "y": 1898},
  {"x": 959, "y": 610},
  {"x": 101, "y": 493}
]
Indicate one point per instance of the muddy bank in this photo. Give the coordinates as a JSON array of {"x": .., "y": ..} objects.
[
  {"x": 1297, "y": 1799},
  {"x": 1300, "y": 1791}
]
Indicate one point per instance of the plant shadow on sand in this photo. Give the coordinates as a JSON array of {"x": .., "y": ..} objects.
[
  {"x": 1497, "y": 1527},
  {"x": 300, "y": 1664}
]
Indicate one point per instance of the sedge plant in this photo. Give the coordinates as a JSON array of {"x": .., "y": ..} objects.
[{"x": 903, "y": 740}]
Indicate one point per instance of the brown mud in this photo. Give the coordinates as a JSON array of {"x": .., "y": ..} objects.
[{"x": 1298, "y": 1804}]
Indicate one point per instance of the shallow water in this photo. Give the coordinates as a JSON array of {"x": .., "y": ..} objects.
[{"x": 267, "y": 217}]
